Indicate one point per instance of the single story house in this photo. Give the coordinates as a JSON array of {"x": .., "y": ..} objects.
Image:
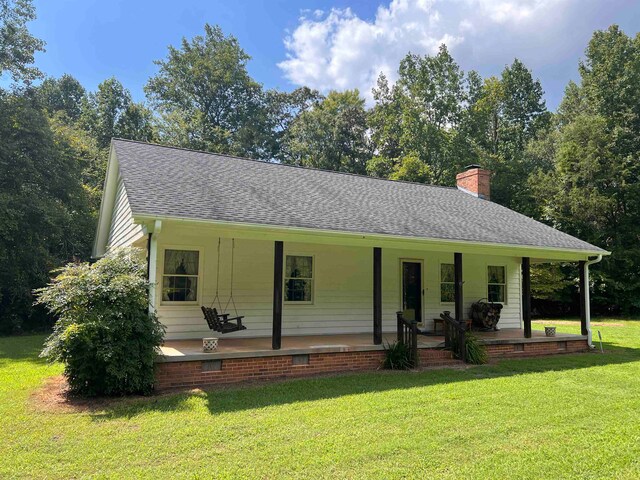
[{"x": 301, "y": 252}]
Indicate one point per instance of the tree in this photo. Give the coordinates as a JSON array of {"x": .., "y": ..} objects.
[
  {"x": 593, "y": 188},
  {"x": 110, "y": 112},
  {"x": 17, "y": 45},
  {"x": 385, "y": 120},
  {"x": 64, "y": 94},
  {"x": 419, "y": 118},
  {"x": 281, "y": 109},
  {"x": 44, "y": 215},
  {"x": 206, "y": 98},
  {"x": 332, "y": 135},
  {"x": 508, "y": 114}
]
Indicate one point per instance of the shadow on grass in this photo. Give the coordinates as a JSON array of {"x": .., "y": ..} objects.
[
  {"x": 268, "y": 394},
  {"x": 25, "y": 348}
]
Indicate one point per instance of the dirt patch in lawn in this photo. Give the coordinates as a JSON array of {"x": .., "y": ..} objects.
[
  {"x": 573, "y": 322},
  {"x": 54, "y": 397}
]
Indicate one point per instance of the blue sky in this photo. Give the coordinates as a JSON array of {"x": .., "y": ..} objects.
[{"x": 326, "y": 43}]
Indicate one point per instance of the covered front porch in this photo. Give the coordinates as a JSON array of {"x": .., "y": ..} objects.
[{"x": 350, "y": 289}]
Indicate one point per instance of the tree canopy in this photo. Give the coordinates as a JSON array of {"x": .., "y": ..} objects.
[{"x": 576, "y": 169}]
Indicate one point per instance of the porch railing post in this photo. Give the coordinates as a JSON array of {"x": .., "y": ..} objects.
[
  {"x": 276, "y": 335},
  {"x": 377, "y": 295},
  {"x": 526, "y": 296},
  {"x": 399, "y": 325},
  {"x": 414, "y": 343}
]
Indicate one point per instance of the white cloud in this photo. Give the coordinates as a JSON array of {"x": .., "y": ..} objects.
[{"x": 337, "y": 49}]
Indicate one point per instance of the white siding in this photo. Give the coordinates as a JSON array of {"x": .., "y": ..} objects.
[
  {"x": 343, "y": 291},
  {"x": 122, "y": 232}
]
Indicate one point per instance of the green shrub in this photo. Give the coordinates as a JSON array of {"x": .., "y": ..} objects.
[
  {"x": 104, "y": 333},
  {"x": 397, "y": 356},
  {"x": 476, "y": 351}
]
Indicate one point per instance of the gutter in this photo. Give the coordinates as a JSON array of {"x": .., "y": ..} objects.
[
  {"x": 587, "y": 306},
  {"x": 522, "y": 250}
]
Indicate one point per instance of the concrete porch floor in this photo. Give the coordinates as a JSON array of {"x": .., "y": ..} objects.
[{"x": 229, "y": 347}]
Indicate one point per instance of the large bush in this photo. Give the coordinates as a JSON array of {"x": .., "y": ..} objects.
[{"x": 104, "y": 333}]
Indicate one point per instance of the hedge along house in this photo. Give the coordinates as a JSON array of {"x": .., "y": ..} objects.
[{"x": 319, "y": 262}]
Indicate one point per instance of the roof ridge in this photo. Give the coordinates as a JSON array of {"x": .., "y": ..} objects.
[{"x": 267, "y": 162}]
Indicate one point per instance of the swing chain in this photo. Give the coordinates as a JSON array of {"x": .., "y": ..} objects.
[
  {"x": 217, "y": 297},
  {"x": 231, "y": 300}
]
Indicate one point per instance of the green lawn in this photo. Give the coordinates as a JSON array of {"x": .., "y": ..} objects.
[{"x": 572, "y": 416}]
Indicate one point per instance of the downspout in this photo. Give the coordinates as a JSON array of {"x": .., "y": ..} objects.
[
  {"x": 152, "y": 265},
  {"x": 587, "y": 300},
  {"x": 149, "y": 254}
]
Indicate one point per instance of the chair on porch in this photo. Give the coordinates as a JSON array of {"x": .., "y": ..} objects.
[{"x": 220, "y": 322}]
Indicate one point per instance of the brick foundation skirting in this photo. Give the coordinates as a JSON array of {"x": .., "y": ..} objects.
[
  {"x": 234, "y": 370},
  {"x": 537, "y": 349},
  {"x": 195, "y": 373}
]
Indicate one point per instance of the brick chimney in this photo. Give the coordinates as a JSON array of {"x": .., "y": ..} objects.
[{"x": 475, "y": 181}]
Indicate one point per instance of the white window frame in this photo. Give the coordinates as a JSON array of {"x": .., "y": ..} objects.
[
  {"x": 189, "y": 303},
  {"x": 312, "y": 279},
  {"x": 486, "y": 273},
  {"x": 440, "y": 282}
]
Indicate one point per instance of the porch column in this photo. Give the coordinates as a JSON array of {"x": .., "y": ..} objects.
[
  {"x": 457, "y": 287},
  {"x": 526, "y": 296},
  {"x": 583, "y": 299},
  {"x": 377, "y": 295},
  {"x": 276, "y": 335}
]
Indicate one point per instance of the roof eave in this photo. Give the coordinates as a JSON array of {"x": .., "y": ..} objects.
[
  {"x": 301, "y": 234},
  {"x": 106, "y": 205}
]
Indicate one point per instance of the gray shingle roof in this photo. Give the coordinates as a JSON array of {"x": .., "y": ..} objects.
[{"x": 173, "y": 182}]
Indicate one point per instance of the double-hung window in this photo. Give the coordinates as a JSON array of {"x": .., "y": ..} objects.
[
  {"x": 180, "y": 276},
  {"x": 447, "y": 283},
  {"x": 298, "y": 279},
  {"x": 496, "y": 283}
]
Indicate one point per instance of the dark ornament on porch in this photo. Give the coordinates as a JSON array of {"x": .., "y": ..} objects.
[
  {"x": 485, "y": 315},
  {"x": 221, "y": 322}
]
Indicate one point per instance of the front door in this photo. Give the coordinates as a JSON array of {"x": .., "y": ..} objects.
[{"x": 412, "y": 290}]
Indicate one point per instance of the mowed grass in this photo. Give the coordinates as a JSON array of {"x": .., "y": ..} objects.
[{"x": 569, "y": 416}]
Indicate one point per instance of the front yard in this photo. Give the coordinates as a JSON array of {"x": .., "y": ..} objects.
[{"x": 571, "y": 416}]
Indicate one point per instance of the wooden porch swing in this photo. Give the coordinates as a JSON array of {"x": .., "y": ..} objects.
[{"x": 222, "y": 322}]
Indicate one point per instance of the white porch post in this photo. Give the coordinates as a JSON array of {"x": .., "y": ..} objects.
[
  {"x": 587, "y": 303},
  {"x": 153, "y": 264},
  {"x": 586, "y": 297}
]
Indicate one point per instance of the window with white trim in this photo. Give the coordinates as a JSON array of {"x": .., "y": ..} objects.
[
  {"x": 180, "y": 276},
  {"x": 496, "y": 283},
  {"x": 298, "y": 279},
  {"x": 447, "y": 283}
]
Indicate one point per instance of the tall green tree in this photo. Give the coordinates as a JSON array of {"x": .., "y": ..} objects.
[
  {"x": 510, "y": 113},
  {"x": 281, "y": 109},
  {"x": 593, "y": 188},
  {"x": 418, "y": 120},
  {"x": 64, "y": 94},
  {"x": 17, "y": 45},
  {"x": 110, "y": 112},
  {"x": 206, "y": 98},
  {"x": 332, "y": 135},
  {"x": 44, "y": 214}
]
